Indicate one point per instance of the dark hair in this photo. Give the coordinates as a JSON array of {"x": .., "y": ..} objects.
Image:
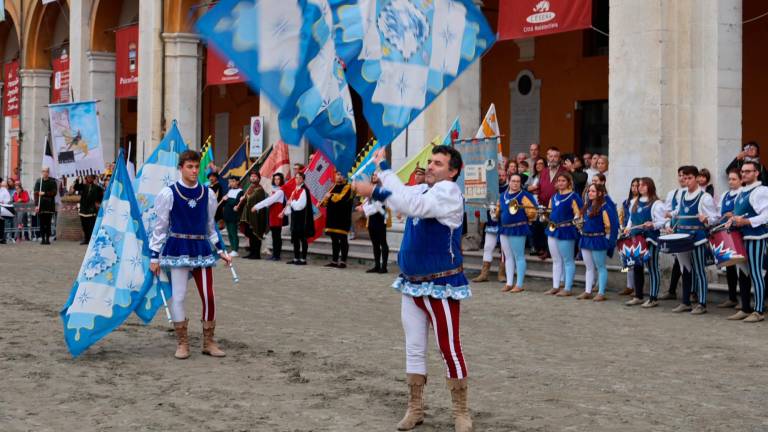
[
  {"x": 735, "y": 171},
  {"x": 689, "y": 170},
  {"x": 756, "y": 165},
  {"x": 566, "y": 176},
  {"x": 301, "y": 174},
  {"x": 752, "y": 143},
  {"x": 455, "y": 161},
  {"x": 256, "y": 173},
  {"x": 652, "y": 197},
  {"x": 280, "y": 176},
  {"x": 553, "y": 148},
  {"x": 188, "y": 156},
  {"x": 681, "y": 168},
  {"x": 705, "y": 173},
  {"x": 535, "y": 161},
  {"x": 301, "y": 166},
  {"x": 520, "y": 176},
  {"x": 630, "y": 196},
  {"x": 212, "y": 174},
  {"x": 601, "y": 176},
  {"x": 593, "y": 207},
  {"x": 522, "y": 163},
  {"x": 235, "y": 178}
]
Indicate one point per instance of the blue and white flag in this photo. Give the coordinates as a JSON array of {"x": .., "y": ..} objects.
[
  {"x": 365, "y": 167},
  {"x": 401, "y": 54},
  {"x": 159, "y": 170},
  {"x": 320, "y": 106},
  {"x": 115, "y": 272},
  {"x": 453, "y": 133}
]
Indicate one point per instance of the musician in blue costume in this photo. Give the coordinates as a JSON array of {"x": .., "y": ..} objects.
[
  {"x": 492, "y": 234},
  {"x": 695, "y": 212},
  {"x": 181, "y": 241},
  {"x": 751, "y": 217},
  {"x": 565, "y": 206},
  {"x": 624, "y": 212},
  {"x": 737, "y": 279},
  {"x": 517, "y": 210},
  {"x": 432, "y": 283},
  {"x": 672, "y": 201},
  {"x": 598, "y": 236},
  {"x": 647, "y": 217}
]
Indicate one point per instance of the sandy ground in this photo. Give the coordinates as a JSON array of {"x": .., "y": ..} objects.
[{"x": 315, "y": 349}]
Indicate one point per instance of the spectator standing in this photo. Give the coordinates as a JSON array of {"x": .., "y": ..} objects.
[
  {"x": 750, "y": 152},
  {"x": 6, "y": 207},
  {"x": 378, "y": 222},
  {"x": 338, "y": 202},
  {"x": 45, "y": 192},
  {"x": 547, "y": 179},
  {"x": 533, "y": 152},
  {"x": 254, "y": 222},
  {"x": 572, "y": 164},
  {"x": 91, "y": 195},
  {"x": 231, "y": 213}
]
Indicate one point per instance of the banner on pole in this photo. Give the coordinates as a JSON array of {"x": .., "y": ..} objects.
[
  {"x": 257, "y": 136},
  {"x": 12, "y": 89},
  {"x": 60, "y": 92},
  {"x": 127, "y": 62},
  {"x": 480, "y": 177},
  {"x": 76, "y": 138},
  {"x": 520, "y": 19}
]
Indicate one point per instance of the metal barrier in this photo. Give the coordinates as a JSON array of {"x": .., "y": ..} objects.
[{"x": 24, "y": 225}]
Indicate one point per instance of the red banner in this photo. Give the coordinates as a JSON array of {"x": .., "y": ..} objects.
[
  {"x": 127, "y": 62},
  {"x": 528, "y": 18},
  {"x": 220, "y": 71},
  {"x": 12, "y": 89},
  {"x": 60, "y": 92}
]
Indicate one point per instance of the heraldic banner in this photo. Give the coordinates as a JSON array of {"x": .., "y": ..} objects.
[
  {"x": 76, "y": 138},
  {"x": 479, "y": 180}
]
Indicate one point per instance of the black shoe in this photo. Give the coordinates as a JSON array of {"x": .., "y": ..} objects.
[
  {"x": 253, "y": 257},
  {"x": 373, "y": 270},
  {"x": 3, "y": 242},
  {"x": 331, "y": 264},
  {"x": 383, "y": 270},
  {"x": 301, "y": 262},
  {"x": 342, "y": 265},
  {"x": 274, "y": 258},
  {"x": 293, "y": 261}
]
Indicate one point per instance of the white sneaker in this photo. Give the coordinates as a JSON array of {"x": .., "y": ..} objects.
[{"x": 234, "y": 254}]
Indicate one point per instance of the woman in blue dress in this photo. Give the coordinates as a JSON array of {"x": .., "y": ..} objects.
[
  {"x": 624, "y": 219},
  {"x": 597, "y": 235},
  {"x": 562, "y": 235},
  {"x": 517, "y": 208}
]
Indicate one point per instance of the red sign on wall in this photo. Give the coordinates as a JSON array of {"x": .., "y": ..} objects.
[
  {"x": 127, "y": 62},
  {"x": 12, "y": 89},
  {"x": 61, "y": 79},
  {"x": 528, "y": 18},
  {"x": 220, "y": 71}
]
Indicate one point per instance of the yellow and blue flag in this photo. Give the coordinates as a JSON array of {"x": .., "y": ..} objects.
[{"x": 237, "y": 165}]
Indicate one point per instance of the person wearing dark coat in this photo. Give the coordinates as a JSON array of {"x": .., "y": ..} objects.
[
  {"x": 91, "y": 195},
  {"x": 254, "y": 223},
  {"x": 300, "y": 208},
  {"x": 338, "y": 221},
  {"x": 750, "y": 151},
  {"x": 45, "y": 200}
]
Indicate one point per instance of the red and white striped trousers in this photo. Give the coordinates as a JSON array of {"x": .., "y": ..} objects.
[
  {"x": 204, "y": 280},
  {"x": 417, "y": 313}
]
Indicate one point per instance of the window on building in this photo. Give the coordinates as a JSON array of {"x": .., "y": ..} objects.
[
  {"x": 596, "y": 43},
  {"x": 592, "y": 122}
]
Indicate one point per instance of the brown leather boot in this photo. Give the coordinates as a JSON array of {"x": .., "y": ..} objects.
[
  {"x": 209, "y": 345},
  {"x": 462, "y": 422},
  {"x": 414, "y": 415},
  {"x": 182, "y": 340},
  {"x": 502, "y": 272},
  {"x": 483, "y": 276}
]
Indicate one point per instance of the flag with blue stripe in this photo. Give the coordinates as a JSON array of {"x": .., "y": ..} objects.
[
  {"x": 401, "y": 54},
  {"x": 114, "y": 275},
  {"x": 453, "y": 133},
  {"x": 320, "y": 106},
  {"x": 159, "y": 170}
]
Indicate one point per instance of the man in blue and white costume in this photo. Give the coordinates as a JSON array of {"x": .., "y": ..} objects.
[
  {"x": 432, "y": 282},
  {"x": 751, "y": 218},
  {"x": 181, "y": 241}
]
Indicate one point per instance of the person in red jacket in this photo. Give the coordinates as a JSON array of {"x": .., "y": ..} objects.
[
  {"x": 276, "y": 204},
  {"x": 547, "y": 178}
]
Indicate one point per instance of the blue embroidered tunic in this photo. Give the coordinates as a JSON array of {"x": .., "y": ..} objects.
[
  {"x": 597, "y": 229},
  {"x": 519, "y": 223},
  {"x": 690, "y": 206},
  {"x": 430, "y": 256},
  {"x": 184, "y": 230},
  {"x": 565, "y": 207},
  {"x": 752, "y": 203}
]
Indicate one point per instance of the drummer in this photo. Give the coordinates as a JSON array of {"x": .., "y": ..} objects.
[
  {"x": 624, "y": 212},
  {"x": 751, "y": 217},
  {"x": 734, "y": 275},
  {"x": 647, "y": 217},
  {"x": 673, "y": 197},
  {"x": 565, "y": 206},
  {"x": 598, "y": 236},
  {"x": 695, "y": 211},
  {"x": 518, "y": 210}
]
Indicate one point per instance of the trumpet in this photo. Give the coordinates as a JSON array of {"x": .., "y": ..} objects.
[
  {"x": 578, "y": 222},
  {"x": 514, "y": 206}
]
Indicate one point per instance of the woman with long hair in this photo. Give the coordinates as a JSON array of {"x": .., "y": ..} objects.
[
  {"x": 597, "y": 233},
  {"x": 562, "y": 234},
  {"x": 517, "y": 209},
  {"x": 624, "y": 212},
  {"x": 647, "y": 217},
  {"x": 538, "y": 238},
  {"x": 300, "y": 209}
]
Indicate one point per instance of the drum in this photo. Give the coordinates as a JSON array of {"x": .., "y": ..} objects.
[
  {"x": 676, "y": 243},
  {"x": 632, "y": 250},
  {"x": 727, "y": 247}
]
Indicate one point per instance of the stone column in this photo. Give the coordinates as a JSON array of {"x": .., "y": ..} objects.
[
  {"x": 100, "y": 86},
  {"x": 79, "y": 34},
  {"x": 35, "y": 96},
  {"x": 149, "y": 127},
  {"x": 182, "y": 85}
]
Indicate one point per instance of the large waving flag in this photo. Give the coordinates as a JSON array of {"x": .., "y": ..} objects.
[
  {"x": 364, "y": 166},
  {"x": 279, "y": 161},
  {"x": 159, "y": 170},
  {"x": 401, "y": 54},
  {"x": 115, "y": 272},
  {"x": 419, "y": 160},
  {"x": 453, "y": 133},
  {"x": 237, "y": 165},
  {"x": 490, "y": 128},
  {"x": 206, "y": 158}
]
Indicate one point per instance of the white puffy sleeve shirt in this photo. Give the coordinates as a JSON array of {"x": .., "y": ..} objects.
[{"x": 443, "y": 201}]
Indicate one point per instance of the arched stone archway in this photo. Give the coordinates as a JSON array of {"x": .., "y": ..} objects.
[{"x": 9, "y": 129}]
